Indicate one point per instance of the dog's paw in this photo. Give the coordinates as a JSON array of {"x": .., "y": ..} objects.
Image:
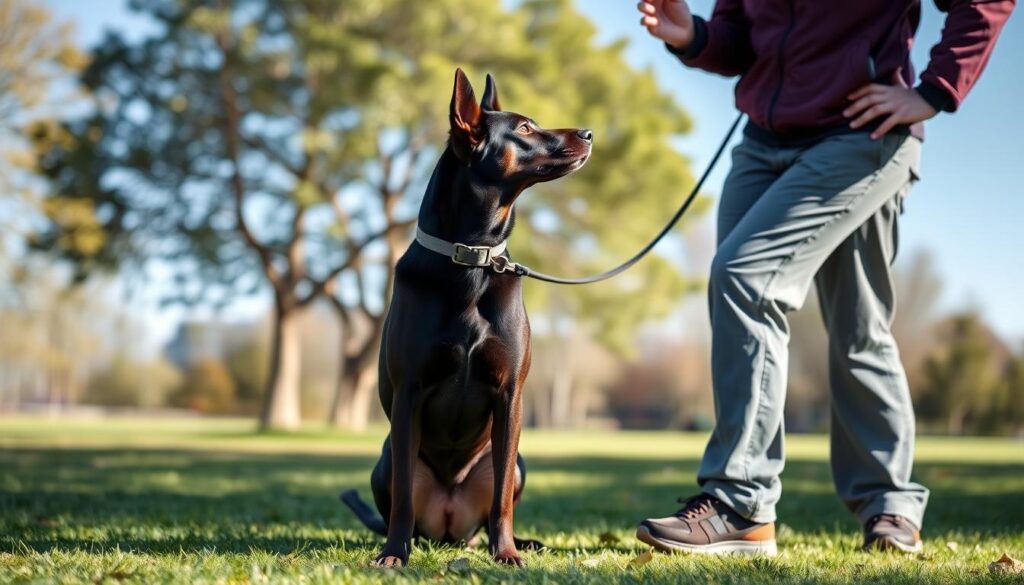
[
  {"x": 509, "y": 558},
  {"x": 387, "y": 561}
]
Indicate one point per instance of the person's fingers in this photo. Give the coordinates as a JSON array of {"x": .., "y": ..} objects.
[
  {"x": 871, "y": 113},
  {"x": 649, "y": 21},
  {"x": 646, "y": 8},
  {"x": 886, "y": 126},
  {"x": 863, "y": 103},
  {"x": 864, "y": 90}
]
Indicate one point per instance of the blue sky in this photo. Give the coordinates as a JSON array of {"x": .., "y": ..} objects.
[{"x": 968, "y": 210}]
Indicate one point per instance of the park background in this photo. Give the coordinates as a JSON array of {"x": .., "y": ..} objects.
[
  {"x": 201, "y": 200},
  {"x": 127, "y": 282}
]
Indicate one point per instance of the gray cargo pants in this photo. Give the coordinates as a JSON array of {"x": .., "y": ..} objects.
[{"x": 824, "y": 214}]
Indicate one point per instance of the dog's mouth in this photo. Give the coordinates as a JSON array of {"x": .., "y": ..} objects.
[
  {"x": 569, "y": 164},
  {"x": 578, "y": 163}
]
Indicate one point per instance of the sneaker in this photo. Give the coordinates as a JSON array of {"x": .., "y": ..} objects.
[
  {"x": 707, "y": 526},
  {"x": 891, "y": 532}
]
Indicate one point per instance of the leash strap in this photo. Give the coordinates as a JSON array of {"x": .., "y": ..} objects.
[
  {"x": 521, "y": 270},
  {"x": 482, "y": 256}
]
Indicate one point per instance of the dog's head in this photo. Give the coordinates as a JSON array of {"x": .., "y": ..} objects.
[{"x": 508, "y": 150}]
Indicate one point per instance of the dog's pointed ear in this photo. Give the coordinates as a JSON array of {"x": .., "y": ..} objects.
[
  {"x": 465, "y": 116},
  {"x": 490, "y": 102}
]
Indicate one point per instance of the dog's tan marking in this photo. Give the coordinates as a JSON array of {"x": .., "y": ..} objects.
[{"x": 508, "y": 158}]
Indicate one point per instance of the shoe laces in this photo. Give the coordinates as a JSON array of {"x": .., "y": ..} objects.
[
  {"x": 695, "y": 506},
  {"x": 894, "y": 519}
]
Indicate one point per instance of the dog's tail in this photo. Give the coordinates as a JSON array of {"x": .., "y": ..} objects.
[{"x": 367, "y": 515}]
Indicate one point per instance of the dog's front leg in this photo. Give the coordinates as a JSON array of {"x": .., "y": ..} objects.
[
  {"x": 405, "y": 444},
  {"x": 504, "y": 450}
]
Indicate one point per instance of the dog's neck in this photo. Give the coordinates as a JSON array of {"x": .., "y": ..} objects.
[{"x": 457, "y": 209}]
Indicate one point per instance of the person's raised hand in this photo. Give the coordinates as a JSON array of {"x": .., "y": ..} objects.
[
  {"x": 899, "y": 103},
  {"x": 668, "y": 20}
]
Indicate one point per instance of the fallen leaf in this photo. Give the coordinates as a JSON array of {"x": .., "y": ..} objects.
[
  {"x": 459, "y": 565},
  {"x": 953, "y": 546},
  {"x": 641, "y": 560},
  {"x": 608, "y": 538},
  {"x": 1007, "y": 565},
  {"x": 590, "y": 563}
]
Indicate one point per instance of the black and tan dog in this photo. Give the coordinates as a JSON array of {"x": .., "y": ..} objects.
[{"x": 456, "y": 345}]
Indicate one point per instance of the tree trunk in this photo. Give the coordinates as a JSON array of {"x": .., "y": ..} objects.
[
  {"x": 561, "y": 394},
  {"x": 955, "y": 423},
  {"x": 281, "y": 397},
  {"x": 344, "y": 389},
  {"x": 353, "y": 398}
]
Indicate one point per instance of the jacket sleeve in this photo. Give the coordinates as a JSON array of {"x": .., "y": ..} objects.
[
  {"x": 968, "y": 37},
  {"x": 722, "y": 43}
]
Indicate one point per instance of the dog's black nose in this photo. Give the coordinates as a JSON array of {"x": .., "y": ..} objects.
[{"x": 586, "y": 134}]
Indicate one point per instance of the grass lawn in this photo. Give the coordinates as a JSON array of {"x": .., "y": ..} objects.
[{"x": 210, "y": 501}]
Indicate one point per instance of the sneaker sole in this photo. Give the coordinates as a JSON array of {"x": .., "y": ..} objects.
[
  {"x": 885, "y": 543},
  {"x": 726, "y": 547}
]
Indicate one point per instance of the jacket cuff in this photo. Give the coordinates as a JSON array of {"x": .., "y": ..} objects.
[
  {"x": 700, "y": 40},
  {"x": 936, "y": 97}
]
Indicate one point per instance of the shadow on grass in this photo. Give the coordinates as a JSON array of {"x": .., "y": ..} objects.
[{"x": 166, "y": 501}]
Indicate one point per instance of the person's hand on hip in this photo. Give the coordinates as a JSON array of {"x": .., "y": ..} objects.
[
  {"x": 900, "y": 103},
  {"x": 668, "y": 20}
]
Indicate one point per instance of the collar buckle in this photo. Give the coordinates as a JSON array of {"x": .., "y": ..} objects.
[{"x": 471, "y": 255}]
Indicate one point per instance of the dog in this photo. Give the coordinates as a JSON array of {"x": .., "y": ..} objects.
[{"x": 455, "y": 349}]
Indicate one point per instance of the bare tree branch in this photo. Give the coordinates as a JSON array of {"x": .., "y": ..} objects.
[
  {"x": 231, "y": 132},
  {"x": 354, "y": 256},
  {"x": 261, "y": 145}
]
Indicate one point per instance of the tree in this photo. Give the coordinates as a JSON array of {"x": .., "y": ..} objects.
[
  {"x": 53, "y": 334},
  {"x": 960, "y": 379},
  {"x": 293, "y": 138},
  {"x": 1006, "y": 410},
  {"x": 128, "y": 382},
  {"x": 207, "y": 388},
  {"x": 35, "y": 53}
]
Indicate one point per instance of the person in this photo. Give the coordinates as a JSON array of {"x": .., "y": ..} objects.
[{"x": 830, "y": 150}]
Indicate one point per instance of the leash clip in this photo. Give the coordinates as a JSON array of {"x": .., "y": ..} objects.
[
  {"x": 502, "y": 264},
  {"x": 472, "y": 255}
]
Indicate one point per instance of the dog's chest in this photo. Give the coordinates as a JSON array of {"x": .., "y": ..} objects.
[{"x": 459, "y": 406}]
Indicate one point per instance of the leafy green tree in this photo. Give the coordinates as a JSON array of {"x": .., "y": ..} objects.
[
  {"x": 292, "y": 139},
  {"x": 1006, "y": 411},
  {"x": 127, "y": 382},
  {"x": 960, "y": 379},
  {"x": 36, "y": 52}
]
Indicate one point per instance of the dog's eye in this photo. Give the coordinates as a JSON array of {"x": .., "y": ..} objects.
[{"x": 524, "y": 129}]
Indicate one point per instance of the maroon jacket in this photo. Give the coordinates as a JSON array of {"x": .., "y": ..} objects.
[{"x": 799, "y": 59}]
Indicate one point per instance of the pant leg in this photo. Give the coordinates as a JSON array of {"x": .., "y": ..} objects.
[
  {"x": 754, "y": 168},
  {"x": 872, "y": 422},
  {"x": 762, "y": 270}
]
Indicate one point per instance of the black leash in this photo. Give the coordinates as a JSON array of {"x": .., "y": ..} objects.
[{"x": 520, "y": 270}]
